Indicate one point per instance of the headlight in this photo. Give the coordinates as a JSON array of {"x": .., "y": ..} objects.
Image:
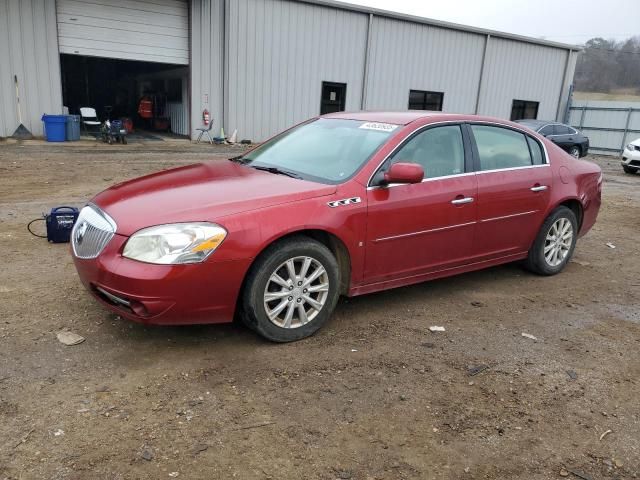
[
  {"x": 630, "y": 147},
  {"x": 175, "y": 243}
]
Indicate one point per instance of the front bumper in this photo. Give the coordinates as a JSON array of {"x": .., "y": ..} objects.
[
  {"x": 631, "y": 158},
  {"x": 163, "y": 294}
]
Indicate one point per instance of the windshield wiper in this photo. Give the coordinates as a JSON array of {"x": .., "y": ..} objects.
[
  {"x": 277, "y": 171},
  {"x": 239, "y": 159}
]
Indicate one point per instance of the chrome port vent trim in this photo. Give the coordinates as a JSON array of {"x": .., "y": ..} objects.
[{"x": 343, "y": 202}]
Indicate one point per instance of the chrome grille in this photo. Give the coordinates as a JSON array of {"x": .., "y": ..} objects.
[{"x": 91, "y": 232}]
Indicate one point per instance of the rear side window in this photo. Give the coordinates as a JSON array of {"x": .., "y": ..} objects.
[
  {"x": 547, "y": 130},
  {"x": 500, "y": 148},
  {"x": 561, "y": 130},
  {"x": 536, "y": 151}
]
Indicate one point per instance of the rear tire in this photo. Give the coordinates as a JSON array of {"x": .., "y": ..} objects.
[
  {"x": 629, "y": 170},
  {"x": 575, "y": 151},
  {"x": 554, "y": 244},
  {"x": 291, "y": 290}
]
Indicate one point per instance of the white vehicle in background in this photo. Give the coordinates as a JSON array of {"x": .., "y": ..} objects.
[{"x": 631, "y": 157}]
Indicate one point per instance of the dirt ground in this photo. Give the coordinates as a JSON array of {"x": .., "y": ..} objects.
[{"x": 374, "y": 395}]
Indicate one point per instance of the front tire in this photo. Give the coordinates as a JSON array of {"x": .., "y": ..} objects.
[
  {"x": 555, "y": 243},
  {"x": 629, "y": 170},
  {"x": 291, "y": 290}
]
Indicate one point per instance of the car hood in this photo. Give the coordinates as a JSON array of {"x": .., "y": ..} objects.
[
  {"x": 202, "y": 192},
  {"x": 635, "y": 143}
]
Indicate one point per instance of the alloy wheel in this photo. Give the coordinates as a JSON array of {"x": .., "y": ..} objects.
[
  {"x": 558, "y": 242},
  {"x": 575, "y": 152},
  {"x": 296, "y": 292}
]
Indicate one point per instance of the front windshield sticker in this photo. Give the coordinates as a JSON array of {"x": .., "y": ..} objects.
[{"x": 381, "y": 127}]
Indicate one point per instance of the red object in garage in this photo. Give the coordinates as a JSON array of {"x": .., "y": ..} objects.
[
  {"x": 128, "y": 124},
  {"x": 145, "y": 107},
  {"x": 344, "y": 204},
  {"x": 205, "y": 117}
]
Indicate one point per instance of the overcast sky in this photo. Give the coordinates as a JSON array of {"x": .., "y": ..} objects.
[{"x": 568, "y": 21}]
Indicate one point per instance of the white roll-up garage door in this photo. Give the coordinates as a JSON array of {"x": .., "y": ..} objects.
[{"x": 151, "y": 30}]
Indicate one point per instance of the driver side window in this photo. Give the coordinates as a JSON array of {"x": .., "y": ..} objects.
[{"x": 439, "y": 150}]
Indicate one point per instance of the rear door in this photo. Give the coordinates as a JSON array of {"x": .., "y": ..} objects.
[
  {"x": 563, "y": 136},
  {"x": 514, "y": 186},
  {"x": 429, "y": 226}
]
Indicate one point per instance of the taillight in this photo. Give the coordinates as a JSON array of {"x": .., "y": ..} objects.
[{"x": 600, "y": 178}]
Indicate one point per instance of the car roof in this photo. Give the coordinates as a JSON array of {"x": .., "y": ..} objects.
[
  {"x": 409, "y": 116},
  {"x": 533, "y": 122}
]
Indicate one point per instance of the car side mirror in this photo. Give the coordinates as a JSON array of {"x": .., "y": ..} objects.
[{"x": 404, "y": 173}]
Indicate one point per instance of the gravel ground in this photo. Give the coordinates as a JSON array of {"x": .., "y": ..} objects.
[{"x": 374, "y": 395}]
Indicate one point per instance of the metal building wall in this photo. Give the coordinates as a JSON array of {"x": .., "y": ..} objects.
[
  {"x": 523, "y": 71},
  {"x": 28, "y": 49},
  {"x": 207, "y": 62},
  {"x": 407, "y": 56},
  {"x": 279, "y": 53}
]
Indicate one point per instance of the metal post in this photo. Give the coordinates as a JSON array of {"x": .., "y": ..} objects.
[
  {"x": 584, "y": 109},
  {"x": 626, "y": 129},
  {"x": 484, "y": 59},
  {"x": 567, "y": 110},
  {"x": 564, "y": 81},
  {"x": 365, "y": 73}
]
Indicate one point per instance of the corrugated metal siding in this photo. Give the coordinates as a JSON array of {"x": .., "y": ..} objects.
[
  {"x": 28, "y": 49},
  {"x": 177, "y": 113},
  {"x": 207, "y": 61},
  {"x": 279, "y": 53},
  {"x": 409, "y": 56},
  {"x": 518, "y": 70},
  {"x": 153, "y": 31}
]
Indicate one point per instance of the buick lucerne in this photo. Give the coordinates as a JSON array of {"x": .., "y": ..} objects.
[{"x": 343, "y": 204}]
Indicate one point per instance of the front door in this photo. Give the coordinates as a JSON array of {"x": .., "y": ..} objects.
[
  {"x": 514, "y": 185},
  {"x": 424, "y": 227}
]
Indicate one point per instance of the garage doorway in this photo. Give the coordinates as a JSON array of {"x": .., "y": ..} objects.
[{"x": 101, "y": 83}]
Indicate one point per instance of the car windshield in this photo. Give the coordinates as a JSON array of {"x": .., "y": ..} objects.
[{"x": 325, "y": 150}]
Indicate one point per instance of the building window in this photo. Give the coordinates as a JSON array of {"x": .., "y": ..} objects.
[
  {"x": 421, "y": 100},
  {"x": 522, "y": 109},
  {"x": 334, "y": 97}
]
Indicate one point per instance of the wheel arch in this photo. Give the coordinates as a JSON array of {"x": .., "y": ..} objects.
[
  {"x": 330, "y": 240},
  {"x": 575, "y": 205}
]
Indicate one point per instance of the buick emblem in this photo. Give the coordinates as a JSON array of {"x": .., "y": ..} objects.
[{"x": 80, "y": 231}]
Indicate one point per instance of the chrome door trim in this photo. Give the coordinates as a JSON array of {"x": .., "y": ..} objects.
[
  {"x": 424, "y": 180},
  {"x": 530, "y": 212},
  {"x": 481, "y": 172},
  {"x": 423, "y": 232}
]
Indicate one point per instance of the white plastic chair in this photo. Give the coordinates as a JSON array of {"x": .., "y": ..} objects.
[{"x": 89, "y": 119}]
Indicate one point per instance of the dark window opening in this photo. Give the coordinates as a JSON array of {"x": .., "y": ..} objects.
[
  {"x": 523, "y": 109},
  {"x": 421, "y": 100},
  {"x": 334, "y": 97}
]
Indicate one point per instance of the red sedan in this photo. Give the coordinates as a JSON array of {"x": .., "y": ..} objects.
[{"x": 344, "y": 204}]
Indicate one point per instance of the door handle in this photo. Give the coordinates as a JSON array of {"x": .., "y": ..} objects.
[
  {"x": 462, "y": 201},
  {"x": 539, "y": 188}
]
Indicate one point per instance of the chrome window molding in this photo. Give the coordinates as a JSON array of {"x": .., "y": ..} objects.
[{"x": 522, "y": 130}]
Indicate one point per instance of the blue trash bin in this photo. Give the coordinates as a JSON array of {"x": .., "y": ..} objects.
[{"x": 55, "y": 127}]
